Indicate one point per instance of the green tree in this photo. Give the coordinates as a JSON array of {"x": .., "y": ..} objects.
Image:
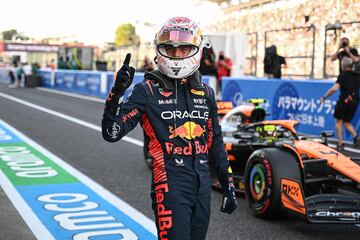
[
  {"x": 125, "y": 35},
  {"x": 12, "y": 33}
]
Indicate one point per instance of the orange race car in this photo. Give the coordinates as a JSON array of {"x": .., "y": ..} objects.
[
  {"x": 224, "y": 108},
  {"x": 279, "y": 169}
]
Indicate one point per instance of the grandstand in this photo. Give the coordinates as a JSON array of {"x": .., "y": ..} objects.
[
  {"x": 297, "y": 27},
  {"x": 236, "y": 5}
]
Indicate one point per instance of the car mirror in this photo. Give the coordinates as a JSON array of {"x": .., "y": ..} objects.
[{"x": 327, "y": 134}]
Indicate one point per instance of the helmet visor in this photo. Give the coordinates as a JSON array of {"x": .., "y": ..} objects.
[
  {"x": 180, "y": 52},
  {"x": 177, "y": 38}
]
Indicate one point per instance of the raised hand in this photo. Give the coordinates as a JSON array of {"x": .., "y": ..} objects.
[{"x": 124, "y": 76}]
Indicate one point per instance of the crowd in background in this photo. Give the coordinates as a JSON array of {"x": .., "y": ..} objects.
[
  {"x": 68, "y": 63},
  {"x": 23, "y": 75},
  {"x": 302, "y": 25},
  {"x": 303, "y": 20},
  {"x": 295, "y": 42}
]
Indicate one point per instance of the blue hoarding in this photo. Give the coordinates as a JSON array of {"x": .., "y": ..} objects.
[
  {"x": 290, "y": 99},
  {"x": 92, "y": 83},
  {"x": 84, "y": 82}
]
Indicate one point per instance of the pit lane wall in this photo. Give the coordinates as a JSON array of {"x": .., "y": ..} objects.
[
  {"x": 290, "y": 99},
  {"x": 91, "y": 83}
]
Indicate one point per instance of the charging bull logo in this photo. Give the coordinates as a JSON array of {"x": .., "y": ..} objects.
[{"x": 188, "y": 130}]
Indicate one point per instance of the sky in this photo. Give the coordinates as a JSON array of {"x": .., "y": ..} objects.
[{"x": 95, "y": 21}]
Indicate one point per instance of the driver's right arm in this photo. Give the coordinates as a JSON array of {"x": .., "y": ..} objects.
[{"x": 121, "y": 117}]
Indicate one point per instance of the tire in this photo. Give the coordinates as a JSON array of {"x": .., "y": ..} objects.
[
  {"x": 148, "y": 159},
  {"x": 263, "y": 173}
]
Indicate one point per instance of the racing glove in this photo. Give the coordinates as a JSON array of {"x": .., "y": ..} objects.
[
  {"x": 123, "y": 80},
  {"x": 124, "y": 77},
  {"x": 229, "y": 203}
]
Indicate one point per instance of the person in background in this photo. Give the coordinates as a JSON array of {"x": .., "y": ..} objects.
[
  {"x": 344, "y": 50},
  {"x": 52, "y": 65},
  {"x": 347, "y": 104},
  {"x": 62, "y": 63},
  {"x": 208, "y": 61},
  {"x": 20, "y": 75},
  {"x": 12, "y": 75},
  {"x": 27, "y": 73},
  {"x": 68, "y": 63},
  {"x": 224, "y": 66},
  {"x": 273, "y": 63},
  {"x": 147, "y": 65},
  {"x": 183, "y": 144},
  {"x": 35, "y": 67}
]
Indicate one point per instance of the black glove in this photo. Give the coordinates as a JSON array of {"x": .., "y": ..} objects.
[
  {"x": 124, "y": 77},
  {"x": 229, "y": 203}
]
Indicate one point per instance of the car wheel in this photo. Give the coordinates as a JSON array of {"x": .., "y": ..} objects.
[{"x": 263, "y": 173}]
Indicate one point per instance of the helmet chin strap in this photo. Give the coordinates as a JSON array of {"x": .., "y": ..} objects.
[
  {"x": 196, "y": 81},
  {"x": 168, "y": 84}
]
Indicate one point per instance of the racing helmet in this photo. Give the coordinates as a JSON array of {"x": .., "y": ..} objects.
[
  {"x": 267, "y": 132},
  {"x": 179, "y": 46}
]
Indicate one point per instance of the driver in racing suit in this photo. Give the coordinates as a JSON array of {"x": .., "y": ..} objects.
[{"x": 178, "y": 114}]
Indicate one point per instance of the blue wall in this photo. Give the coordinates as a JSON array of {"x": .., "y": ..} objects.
[
  {"x": 83, "y": 82},
  {"x": 290, "y": 99},
  {"x": 91, "y": 83}
]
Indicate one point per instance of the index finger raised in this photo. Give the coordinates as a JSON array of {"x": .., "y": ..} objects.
[{"x": 127, "y": 59}]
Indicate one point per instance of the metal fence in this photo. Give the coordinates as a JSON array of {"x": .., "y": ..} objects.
[
  {"x": 297, "y": 45},
  {"x": 251, "y": 54}
]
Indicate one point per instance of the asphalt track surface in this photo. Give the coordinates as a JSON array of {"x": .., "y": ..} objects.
[{"x": 120, "y": 168}]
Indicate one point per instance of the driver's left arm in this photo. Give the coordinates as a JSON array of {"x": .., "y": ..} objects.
[{"x": 217, "y": 155}]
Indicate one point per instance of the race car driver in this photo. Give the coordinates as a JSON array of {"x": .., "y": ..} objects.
[{"x": 178, "y": 114}]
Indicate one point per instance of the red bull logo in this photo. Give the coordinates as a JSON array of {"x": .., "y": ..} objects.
[
  {"x": 188, "y": 130},
  {"x": 198, "y": 148}
]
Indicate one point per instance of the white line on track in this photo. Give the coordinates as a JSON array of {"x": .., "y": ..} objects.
[
  {"x": 67, "y": 117},
  {"x": 101, "y": 191},
  {"x": 94, "y": 99}
]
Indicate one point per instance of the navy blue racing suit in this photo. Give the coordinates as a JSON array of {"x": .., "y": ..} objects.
[{"x": 180, "y": 122}]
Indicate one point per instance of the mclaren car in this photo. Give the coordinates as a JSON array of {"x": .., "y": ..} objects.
[{"x": 280, "y": 170}]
